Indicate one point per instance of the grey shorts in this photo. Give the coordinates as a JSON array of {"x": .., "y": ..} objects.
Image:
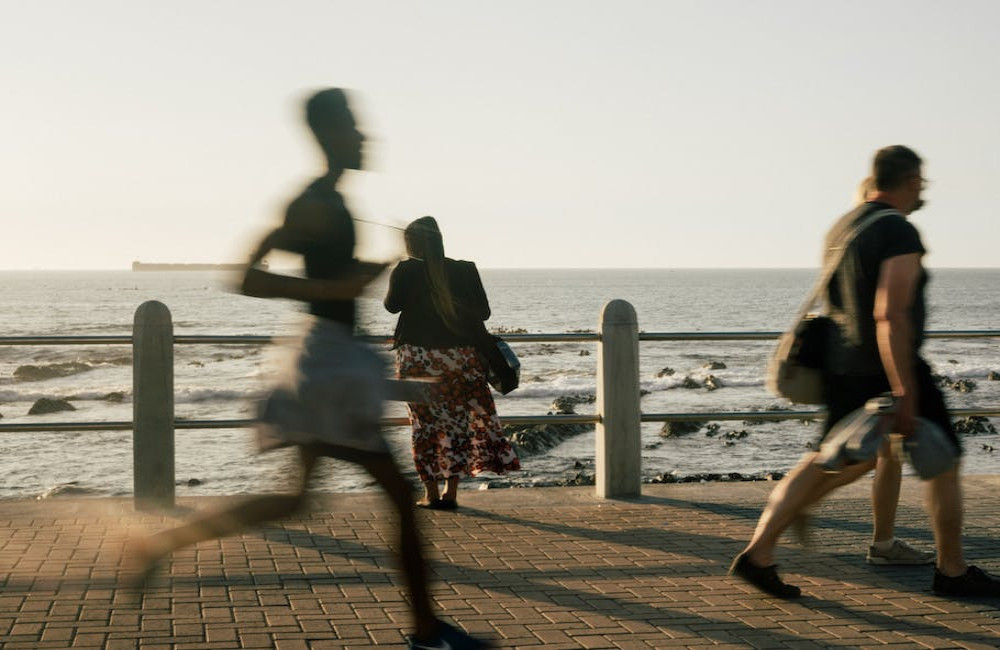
[{"x": 332, "y": 394}]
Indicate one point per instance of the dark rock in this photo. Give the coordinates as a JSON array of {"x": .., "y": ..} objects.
[
  {"x": 988, "y": 449},
  {"x": 577, "y": 465},
  {"x": 774, "y": 476},
  {"x": 713, "y": 383},
  {"x": 584, "y": 353},
  {"x": 666, "y": 372},
  {"x": 192, "y": 482},
  {"x": 643, "y": 392},
  {"x": 680, "y": 428},
  {"x": 509, "y": 330},
  {"x": 653, "y": 445},
  {"x": 714, "y": 365},
  {"x": 960, "y": 385},
  {"x": 46, "y": 405},
  {"x": 564, "y": 404},
  {"x": 993, "y": 376},
  {"x": 964, "y": 385},
  {"x": 690, "y": 383},
  {"x": 952, "y": 361},
  {"x": 736, "y": 435},
  {"x": 115, "y": 396},
  {"x": 529, "y": 439},
  {"x": 974, "y": 425},
  {"x": 579, "y": 479},
  {"x": 671, "y": 477},
  {"x": 771, "y": 407},
  {"x": 712, "y": 430},
  {"x": 50, "y": 371}
]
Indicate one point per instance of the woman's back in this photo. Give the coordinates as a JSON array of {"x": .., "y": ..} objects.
[{"x": 420, "y": 323}]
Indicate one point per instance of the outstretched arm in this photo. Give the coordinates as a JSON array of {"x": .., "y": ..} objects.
[{"x": 263, "y": 284}]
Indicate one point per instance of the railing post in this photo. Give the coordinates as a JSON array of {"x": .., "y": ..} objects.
[
  {"x": 153, "y": 407},
  {"x": 618, "y": 447}
]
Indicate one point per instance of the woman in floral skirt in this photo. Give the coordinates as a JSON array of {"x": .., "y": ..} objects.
[{"x": 442, "y": 305}]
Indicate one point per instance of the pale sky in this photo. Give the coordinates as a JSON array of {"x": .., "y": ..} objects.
[{"x": 539, "y": 133}]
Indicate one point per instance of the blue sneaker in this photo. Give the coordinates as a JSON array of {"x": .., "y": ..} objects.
[{"x": 448, "y": 638}]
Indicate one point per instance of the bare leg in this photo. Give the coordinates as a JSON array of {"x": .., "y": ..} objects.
[
  {"x": 885, "y": 494},
  {"x": 431, "y": 493},
  {"x": 944, "y": 504},
  {"x": 149, "y": 551},
  {"x": 409, "y": 547},
  {"x": 802, "y": 487},
  {"x": 451, "y": 491}
]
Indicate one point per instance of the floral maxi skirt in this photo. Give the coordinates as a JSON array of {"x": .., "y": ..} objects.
[{"x": 458, "y": 432}]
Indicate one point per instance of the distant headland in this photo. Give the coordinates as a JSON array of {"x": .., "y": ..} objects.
[{"x": 158, "y": 266}]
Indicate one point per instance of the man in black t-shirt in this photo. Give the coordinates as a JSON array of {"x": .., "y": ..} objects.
[{"x": 876, "y": 299}]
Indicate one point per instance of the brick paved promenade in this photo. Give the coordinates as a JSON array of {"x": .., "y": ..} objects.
[{"x": 553, "y": 568}]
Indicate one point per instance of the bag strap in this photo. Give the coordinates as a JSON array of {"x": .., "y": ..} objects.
[{"x": 838, "y": 254}]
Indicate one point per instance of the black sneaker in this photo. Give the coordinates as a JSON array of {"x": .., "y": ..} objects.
[
  {"x": 448, "y": 638},
  {"x": 974, "y": 582},
  {"x": 764, "y": 578}
]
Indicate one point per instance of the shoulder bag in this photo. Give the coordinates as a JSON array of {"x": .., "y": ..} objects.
[{"x": 795, "y": 369}]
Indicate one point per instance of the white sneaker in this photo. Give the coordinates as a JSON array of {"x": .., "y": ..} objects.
[{"x": 901, "y": 554}]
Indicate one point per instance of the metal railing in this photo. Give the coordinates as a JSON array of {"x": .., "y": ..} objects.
[{"x": 617, "y": 416}]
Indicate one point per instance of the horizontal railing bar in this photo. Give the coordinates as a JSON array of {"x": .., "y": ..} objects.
[
  {"x": 708, "y": 336},
  {"x": 770, "y": 416},
  {"x": 66, "y": 426},
  {"x": 124, "y": 339},
  {"x": 773, "y": 416},
  {"x": 181, "y": 423},
  {"x": 562, "y": 337}
]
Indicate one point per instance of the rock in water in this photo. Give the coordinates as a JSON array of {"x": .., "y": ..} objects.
[
  {"x": 713, "y": 383},
  {"x": 974, "y": 424},
  {"x": 46, "y": 405},
  {"x": 680, "y": 428},
  {"x": 690, "y": 383},
  {"x": 531, "y": 439},
  {"x": 714, "y": 365}
]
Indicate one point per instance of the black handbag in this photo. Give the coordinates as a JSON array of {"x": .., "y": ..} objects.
[{"x": 502, "y": 367}]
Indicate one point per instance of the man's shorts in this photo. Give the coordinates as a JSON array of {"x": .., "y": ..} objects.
[{"x": 845, "y": 394}]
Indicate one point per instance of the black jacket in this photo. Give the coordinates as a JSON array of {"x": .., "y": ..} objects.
[{"x": 419, "y": 323}]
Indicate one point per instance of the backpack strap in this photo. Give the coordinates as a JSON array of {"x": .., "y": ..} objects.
[{"x": 830, "y": 267}]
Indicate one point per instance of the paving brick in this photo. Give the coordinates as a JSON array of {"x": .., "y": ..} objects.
[{"x": 552, "y": 568}]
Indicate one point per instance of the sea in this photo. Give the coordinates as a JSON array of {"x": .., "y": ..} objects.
[{"x": 226, "y": 381}]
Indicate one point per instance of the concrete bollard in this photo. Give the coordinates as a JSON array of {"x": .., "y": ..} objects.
[
  {"x": 618, "y": 452},
  {"x": 153, "y": 407}
]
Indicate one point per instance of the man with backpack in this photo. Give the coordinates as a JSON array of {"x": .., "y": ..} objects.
[{"x": 876, "y": 299}]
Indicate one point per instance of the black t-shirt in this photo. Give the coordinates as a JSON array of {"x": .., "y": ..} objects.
[
  {"x": 419, "y": 322},
  {"x": 329, "y": 250},
  {"x": 851, "y": 292}
]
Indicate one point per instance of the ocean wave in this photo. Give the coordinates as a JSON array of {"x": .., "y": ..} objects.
[
  {"x": 71, "y": 489},
  {"x": 199, "y": 395}
]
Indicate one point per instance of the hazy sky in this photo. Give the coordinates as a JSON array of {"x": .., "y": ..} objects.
[{"x": 539, "y": 133}]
